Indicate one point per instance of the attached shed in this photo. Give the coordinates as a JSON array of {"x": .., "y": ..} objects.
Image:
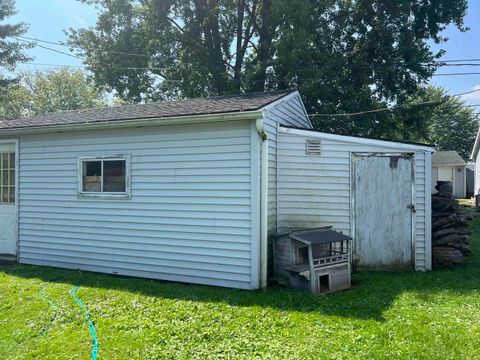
[
  {"x": 190, "y": 190},
  {"x": 377, "y": 192},
  {"x": 449, "y": 166}
]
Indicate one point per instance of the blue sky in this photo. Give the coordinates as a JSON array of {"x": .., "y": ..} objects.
[
  {"x": 462, "y": 46},
  {"x": 48, "y": 19}
]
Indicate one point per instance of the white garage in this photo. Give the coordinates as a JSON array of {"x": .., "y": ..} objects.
[
  {"x": 190, "y": 190},
  {"x": 376, "y": 191}
]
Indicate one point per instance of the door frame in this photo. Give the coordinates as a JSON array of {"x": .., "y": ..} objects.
[
  {"x": 354, "y": 155},
  {"x": 16, "y": 143}
]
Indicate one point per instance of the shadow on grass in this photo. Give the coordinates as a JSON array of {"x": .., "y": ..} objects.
[{"x": 372, "y": 292}]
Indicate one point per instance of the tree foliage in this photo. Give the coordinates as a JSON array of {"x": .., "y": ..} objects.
[
  {"x": 11, "y": 51},
  {"x": 50, "y": 91},
  {"x": 451, "y": 124},
  {"x": 343, "y": 55}
]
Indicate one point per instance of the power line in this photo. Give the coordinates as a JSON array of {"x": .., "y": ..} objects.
[
  {"x": 459, "y": 60},
  {"x": 50, "y": 49},
  {"x": 83, "y": 59},
  {"x": 99, "y": 67},
  {"x": 436, "y": 62},
  {"x": 75, "y": 47},
  {"x": 466, "y": 93},
  {"x": 395, "y": 107},
  {"x": 458, "y": 65},
  {"x": 180, "y": 80},
  {"x": 457, "y": 74}
]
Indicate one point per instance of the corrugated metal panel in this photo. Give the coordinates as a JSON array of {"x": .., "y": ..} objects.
[
  {"x": 189, "y": 217},
  {"x": 315, "y": 190},
  {"x": 288, "y": 112}
]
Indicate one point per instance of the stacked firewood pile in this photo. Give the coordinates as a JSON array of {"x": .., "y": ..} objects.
[{"x": 450, "y": 229}]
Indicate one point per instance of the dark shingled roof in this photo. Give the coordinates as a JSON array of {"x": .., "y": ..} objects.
[{"x": 165, "y": 109}]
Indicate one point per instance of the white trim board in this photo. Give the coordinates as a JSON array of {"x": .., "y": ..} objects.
[
  {"x": 356, "y": 140},
  {"x": 130, "y": 123}
]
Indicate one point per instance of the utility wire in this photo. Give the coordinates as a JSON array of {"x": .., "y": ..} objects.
[
  {"x": 440, "y": 63},
  {"x": 395, "y": 107},
  {"x": 457, "y": 74},
  {"x": 102, "y": 67},
  {"x": 83, "y": 59},
  {"x": 181, "y": 80},
  {"x": 75, "y": 47},
  {"x": 50, "y": 49},
  {"x": 436, "y": 62}
]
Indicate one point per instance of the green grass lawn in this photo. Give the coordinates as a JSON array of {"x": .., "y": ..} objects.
[{"x": 405, "y": 315}]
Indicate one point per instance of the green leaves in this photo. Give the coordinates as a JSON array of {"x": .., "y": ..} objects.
[
  {"x": 50, "y": 91},
  {"x": 343, "y": 56},
  {"x": 11, "y": 51},
  {"x": 448, "y": 124}
]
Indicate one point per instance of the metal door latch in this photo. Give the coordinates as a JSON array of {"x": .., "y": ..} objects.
[{"x": 412, "y": 207}]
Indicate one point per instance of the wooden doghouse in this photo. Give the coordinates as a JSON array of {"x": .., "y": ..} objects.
[{"x": 314, "y": 260}]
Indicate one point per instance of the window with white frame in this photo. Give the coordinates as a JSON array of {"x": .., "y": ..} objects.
[
  {"x": 104, "y": 176},
  {"x": 7, "y": 178}
]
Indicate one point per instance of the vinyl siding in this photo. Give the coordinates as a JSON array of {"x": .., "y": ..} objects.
[
  {"x": 315, "y": 191},
  {"x": 476, "y": 190},
  {"x": 191, "y": 216},
  {"x": 288, "y": 111}
]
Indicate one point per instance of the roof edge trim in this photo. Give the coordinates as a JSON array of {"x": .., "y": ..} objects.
[
  {"x": 189, "y": 119},
  {"x": 356, "y": 140},
  {"x": 288, "y": 94}
]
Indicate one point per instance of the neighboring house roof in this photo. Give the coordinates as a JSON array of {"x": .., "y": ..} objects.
[
  {"x": 447, "y": 158},
  {"x": 159, "y": 110}
]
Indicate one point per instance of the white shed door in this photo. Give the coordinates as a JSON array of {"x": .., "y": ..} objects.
[
  {"x": 383, "y": 210},
  {"x": 8, "y": 218}
]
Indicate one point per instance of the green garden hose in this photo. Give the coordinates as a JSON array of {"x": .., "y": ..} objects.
[
  {"x": 41, "y": 293},
  {"x": 91, "y": 325}
]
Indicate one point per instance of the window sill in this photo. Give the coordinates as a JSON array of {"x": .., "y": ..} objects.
[{"x": 85, "y": 195}]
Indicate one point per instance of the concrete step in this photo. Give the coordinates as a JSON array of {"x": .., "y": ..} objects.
[{"x": 7, "y": 259}]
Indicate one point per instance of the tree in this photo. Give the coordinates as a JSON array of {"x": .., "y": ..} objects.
[
  {"x": 343, "y": 55},
  {"x": 451, "y": 125},
  {"x": 13, "y": 101},
  {"x": 49, "y": 91},
  {"x": 11, "y": 51},
  {"x": 59, "y": 90}
]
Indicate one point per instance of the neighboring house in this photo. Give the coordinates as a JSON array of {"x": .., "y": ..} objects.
[
  {"x": 449, "y": 166},
  {"x": 190, "y": 190}
]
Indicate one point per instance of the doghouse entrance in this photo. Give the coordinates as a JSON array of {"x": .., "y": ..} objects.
[{"x": 324, "y": 283}]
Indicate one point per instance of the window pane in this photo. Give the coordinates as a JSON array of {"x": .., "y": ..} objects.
[
  {"x": 92, "y": 176},
  {"x": 12, "y": 160},
  {"x": 5, "y": 177},
  {"x": 12, "y": 194},
  {"x": 114, "y": 176},
  {"x": 5, "y": 195},
  {"x": 5, "y": 160},
  {"x": 12, "y": 177}
]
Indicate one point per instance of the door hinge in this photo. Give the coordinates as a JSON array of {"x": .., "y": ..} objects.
[{"x": 412, "y": 207}]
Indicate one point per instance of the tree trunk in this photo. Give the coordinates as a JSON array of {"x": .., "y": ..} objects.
[{"x": 265, "y": 40}]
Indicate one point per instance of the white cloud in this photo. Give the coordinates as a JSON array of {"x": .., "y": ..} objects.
[
  {"x": 473, "y": 97},
  {"x": 80, "y": 20},
  {"x": 74, "y": 11}
]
